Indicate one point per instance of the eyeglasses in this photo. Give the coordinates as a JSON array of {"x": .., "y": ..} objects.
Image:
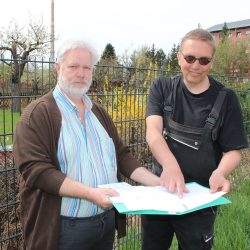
[{"x": 202, "y": 60}]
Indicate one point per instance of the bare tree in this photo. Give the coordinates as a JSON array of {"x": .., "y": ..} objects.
[{"x": 21, "y": 43}]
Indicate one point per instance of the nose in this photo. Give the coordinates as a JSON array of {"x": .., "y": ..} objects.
[
  {"x": 81, "y": 72},
  {"x": 196, "y": 64}
]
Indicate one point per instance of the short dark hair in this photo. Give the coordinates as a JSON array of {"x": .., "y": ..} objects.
[{"x": 199, "y": 34}]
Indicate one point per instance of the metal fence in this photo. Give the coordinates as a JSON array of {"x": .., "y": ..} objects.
[{"x": 121, "y": 90}]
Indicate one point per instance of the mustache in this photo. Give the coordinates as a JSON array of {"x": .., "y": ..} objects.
[{"x": 79, "y": 81}]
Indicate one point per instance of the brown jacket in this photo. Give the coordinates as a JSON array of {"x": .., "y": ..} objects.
[{"x": 35, "y": 154}]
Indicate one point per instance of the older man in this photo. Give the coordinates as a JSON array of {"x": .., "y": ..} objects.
[{"x": 64, "y": 147}]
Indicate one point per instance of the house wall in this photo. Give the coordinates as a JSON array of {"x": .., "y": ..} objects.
[{"x": 243, "y": 33}]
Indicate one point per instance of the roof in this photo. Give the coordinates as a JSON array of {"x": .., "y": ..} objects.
[{"x": 230, "y": 25}]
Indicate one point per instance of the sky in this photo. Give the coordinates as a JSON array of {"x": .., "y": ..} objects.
[{"x": 127, "y": 25}]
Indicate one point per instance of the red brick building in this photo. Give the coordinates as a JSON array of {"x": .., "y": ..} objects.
[{"x": 238, "y": 29}]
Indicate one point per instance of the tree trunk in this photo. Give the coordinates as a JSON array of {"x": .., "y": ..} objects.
[{"x": 16, "y": 98}]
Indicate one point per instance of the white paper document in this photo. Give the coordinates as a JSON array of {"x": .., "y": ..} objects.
[{"x": 158, "y": 198}]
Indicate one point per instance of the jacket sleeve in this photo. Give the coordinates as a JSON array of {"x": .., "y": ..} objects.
[
  {"x": 35, "y": 150},
  {"x": 126, "y": 162}
]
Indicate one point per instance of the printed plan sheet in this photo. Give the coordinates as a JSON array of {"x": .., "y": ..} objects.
[{"x": 136, "y": 198}]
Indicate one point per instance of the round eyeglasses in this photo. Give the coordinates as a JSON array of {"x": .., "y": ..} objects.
[{"x": 202, "y": 60}]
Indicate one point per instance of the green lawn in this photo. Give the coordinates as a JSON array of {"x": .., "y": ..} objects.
[
  {"x": 232, "y": 228},
  {"x": 8, "y": 121}
]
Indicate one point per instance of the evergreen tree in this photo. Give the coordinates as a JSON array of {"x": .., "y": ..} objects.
[
  {"x": 156, "y": 56},
  {"x": 151, "y": 54},
  {"x": 109, "y": 53},
  {"x": 160, "y": 57},
  {"x": 225, "y": 32},
  {"x": 172, "y": 60},
  {"x": 102, "y": 74}
]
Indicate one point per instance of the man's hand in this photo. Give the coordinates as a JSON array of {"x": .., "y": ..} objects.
[
  {"x": 218, "y": 182},
  {"x": 172, "y": 179},
  {"x": 100, "y": 196}
]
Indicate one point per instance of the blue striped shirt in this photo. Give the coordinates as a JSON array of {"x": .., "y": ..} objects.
[{"x": 85, "y": 153}]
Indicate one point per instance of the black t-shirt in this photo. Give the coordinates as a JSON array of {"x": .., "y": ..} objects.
[{"x": 192, "y": 110}]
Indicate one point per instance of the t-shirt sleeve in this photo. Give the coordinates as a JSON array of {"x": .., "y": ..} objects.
[
  {"x": 233, "y": 135},
  {"x": 155, "y": 101}
]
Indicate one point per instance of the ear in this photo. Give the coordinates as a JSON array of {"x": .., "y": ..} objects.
[
  {"x": 179, "y": 57},
  {"x": 57, "y": 65},
  {"x": 212, "y": 63}
]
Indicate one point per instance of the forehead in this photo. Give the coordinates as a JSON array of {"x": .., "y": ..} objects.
[
  {"x": 77, "y": 55},
  {"x": 197, "y": 48}
]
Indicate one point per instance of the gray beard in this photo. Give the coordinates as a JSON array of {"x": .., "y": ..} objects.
[{"x": 70, "y": 90}]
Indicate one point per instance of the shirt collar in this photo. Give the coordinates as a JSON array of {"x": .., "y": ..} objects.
[{"x": 86, "y": 100}]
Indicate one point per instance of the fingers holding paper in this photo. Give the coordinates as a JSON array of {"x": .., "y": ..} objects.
[
  {"x": 100, "y": 196},
  {"x": 218, "y": 182},
  {"x": 172, "y": 179}
]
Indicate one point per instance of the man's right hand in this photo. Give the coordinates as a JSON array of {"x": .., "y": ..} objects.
[
  {"x": 172, "y": 179},
  {"x": 100, "y": 196}
]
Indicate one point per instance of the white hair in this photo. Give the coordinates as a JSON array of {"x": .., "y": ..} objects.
[{"x": 76, "y": 44}]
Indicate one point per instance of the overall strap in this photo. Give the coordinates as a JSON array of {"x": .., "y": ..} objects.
[
  {"x": 169, "y": 100},
  {"x": 169, "y": 104},
  {"x": 215, "y": 112}
]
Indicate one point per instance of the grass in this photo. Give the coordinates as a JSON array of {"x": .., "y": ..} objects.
[
  {"x": 8, "y": 121},
  {"x": 232, "y": 227}
]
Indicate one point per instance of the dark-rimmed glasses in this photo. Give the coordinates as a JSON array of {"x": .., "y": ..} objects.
[{"x": 202, "y": 60}]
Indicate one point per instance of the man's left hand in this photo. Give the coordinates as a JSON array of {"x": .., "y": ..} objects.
[{"x": 218, "y": 182}]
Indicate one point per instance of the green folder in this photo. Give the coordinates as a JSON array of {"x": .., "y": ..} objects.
[{"x": 123, "y": 210}]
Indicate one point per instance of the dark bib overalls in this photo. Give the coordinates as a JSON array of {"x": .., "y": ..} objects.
[
  {"x": 194, "y": 148},
  {"x": 198, "y": 156}
]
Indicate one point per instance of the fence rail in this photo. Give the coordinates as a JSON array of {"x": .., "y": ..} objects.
[{"x": 122, "y": 91}]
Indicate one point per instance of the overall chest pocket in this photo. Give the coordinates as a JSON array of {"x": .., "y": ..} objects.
[{"x": 187, "y": 136}]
